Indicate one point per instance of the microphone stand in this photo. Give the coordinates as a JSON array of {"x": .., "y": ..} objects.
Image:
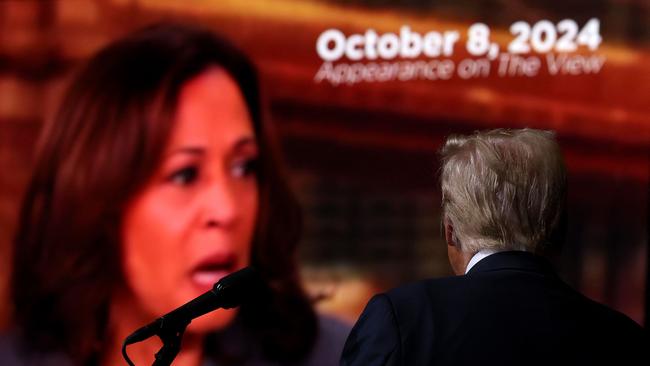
[
  {"x": 171, "y": 334},
  {"x": 171, "y": 338},
  {"x": 226, "y": 294}
]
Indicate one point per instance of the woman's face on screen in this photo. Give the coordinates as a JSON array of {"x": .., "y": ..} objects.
[{"x": 194, "y": 221}]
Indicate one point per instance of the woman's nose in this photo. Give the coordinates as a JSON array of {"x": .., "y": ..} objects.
[{"x": 219, "y": 203}]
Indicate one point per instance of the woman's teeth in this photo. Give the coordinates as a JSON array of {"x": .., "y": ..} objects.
[{"x": 208, "y": 277}]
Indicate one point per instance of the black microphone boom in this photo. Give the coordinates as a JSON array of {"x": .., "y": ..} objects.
[{"x": 231, "y": 291}]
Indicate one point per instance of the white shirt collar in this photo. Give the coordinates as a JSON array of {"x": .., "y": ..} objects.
[{"x": 480, "y": 255}]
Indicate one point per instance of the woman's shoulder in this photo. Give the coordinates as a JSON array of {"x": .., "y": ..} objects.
[
  {"x": 14, "y": 352},
  {"x": 8, "y": 350},
  {"x": 237, "y": 344},
  {"x": 327, "y": 349}
]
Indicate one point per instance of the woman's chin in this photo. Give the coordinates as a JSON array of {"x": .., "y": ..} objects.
[{"x": 212, "y": 322}]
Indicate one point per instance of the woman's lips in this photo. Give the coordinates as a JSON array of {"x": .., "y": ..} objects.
[{"x": 211, "y": 269}]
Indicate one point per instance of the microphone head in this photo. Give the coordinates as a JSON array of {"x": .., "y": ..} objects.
[{"x": 239, "y": 287}]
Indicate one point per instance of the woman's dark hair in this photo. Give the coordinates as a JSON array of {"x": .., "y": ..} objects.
[{"x": 103, "y": 145}]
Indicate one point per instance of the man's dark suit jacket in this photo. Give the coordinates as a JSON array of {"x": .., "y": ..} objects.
[{"x": 510, "y": 309}]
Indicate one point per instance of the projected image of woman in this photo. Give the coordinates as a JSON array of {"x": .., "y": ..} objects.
[{"x": 156, "y": 178}]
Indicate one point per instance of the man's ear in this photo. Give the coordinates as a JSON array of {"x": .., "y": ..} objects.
[
  {"x": 450, "y": 237},
  {"x": 457, "y": 258}
]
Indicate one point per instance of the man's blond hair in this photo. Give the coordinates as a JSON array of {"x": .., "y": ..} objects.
[{"x": 503, "y": 189}]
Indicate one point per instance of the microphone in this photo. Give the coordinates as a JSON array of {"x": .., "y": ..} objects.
[{"x": 229, "y": 292}]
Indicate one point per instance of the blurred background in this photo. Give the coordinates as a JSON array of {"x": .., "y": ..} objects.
[{"x": 362, "y": 157}]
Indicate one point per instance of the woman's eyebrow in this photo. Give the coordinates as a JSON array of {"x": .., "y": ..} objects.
[
  {"x": 245, "y": 141},
  {"x": 192, "y": 150},
  {"x": 198, "y": 150}
]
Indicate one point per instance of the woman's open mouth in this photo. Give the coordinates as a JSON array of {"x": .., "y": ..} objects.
[{"x": 211, "y": 269}]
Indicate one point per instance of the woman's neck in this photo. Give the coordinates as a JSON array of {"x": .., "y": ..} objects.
[{"x": 124, "y": 319}]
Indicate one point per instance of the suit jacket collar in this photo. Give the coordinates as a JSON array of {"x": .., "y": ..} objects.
[{"x": 513, "y": 260}]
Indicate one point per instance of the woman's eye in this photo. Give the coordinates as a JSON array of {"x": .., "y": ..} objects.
[
  {"x": 184, "y": 176},
  {"x": 245, "y": 168}
]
